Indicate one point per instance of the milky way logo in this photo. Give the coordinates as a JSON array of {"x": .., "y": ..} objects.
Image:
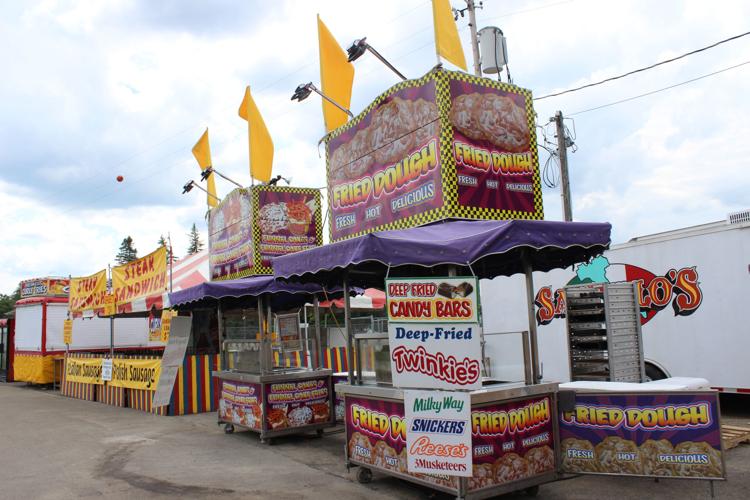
[{"x": 678, "y": 287}]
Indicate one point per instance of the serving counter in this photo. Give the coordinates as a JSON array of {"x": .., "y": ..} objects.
[
  {"x": 513, "y": 428},
  {"x": 285, "y": 401}
]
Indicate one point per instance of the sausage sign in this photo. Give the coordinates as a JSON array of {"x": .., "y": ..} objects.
[{"x": 434, "y": 333}]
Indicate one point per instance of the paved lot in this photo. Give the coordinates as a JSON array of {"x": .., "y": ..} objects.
[{"x": 56, "y": 447}]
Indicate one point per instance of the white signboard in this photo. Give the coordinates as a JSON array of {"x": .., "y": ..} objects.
[
  {"x": 174, "y": 353},
  {"x": 436, "y": 356},
  {"x": 432, "y": 300},
  {"x": 107, "y": 369},
  {"x": 438, "y": 432}
]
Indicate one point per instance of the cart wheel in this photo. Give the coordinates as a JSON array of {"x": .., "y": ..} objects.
[
  {"x": 228, "y": 428},
  {"x": 532, "y": 491},
  {"x": 319, "y": 432},
  {"x": 364, "y": 475}
]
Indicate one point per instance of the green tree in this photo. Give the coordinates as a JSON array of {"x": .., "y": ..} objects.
[
  {"x": 195, "y": 245},
  {"x": 164, "y": 243},
  {"x": 127, "y": 253},
  {"x": 8, "y": 302}
]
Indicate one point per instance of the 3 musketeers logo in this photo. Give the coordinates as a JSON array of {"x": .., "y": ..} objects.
[{"x": 678, "y": 287}]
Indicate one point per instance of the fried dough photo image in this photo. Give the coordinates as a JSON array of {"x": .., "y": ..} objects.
[
  {"x": 465, "y": 115},
  {"x": 503, "y": 123},
  {"x": 698, "y": 452},
  {"x": 618, "y": 455},
  {"x": 360, "y": 447},
  {"x": 390, "y": 131},
  {"x": 650, "y": 451},
  {"x": 511, "y": 467},
  {"x": 540, "y": 459},
  {"x": 482, "y": 476},
  {"x": 384, "y": 456},
  {"x": 578, "y": 455},
  {"x": 494, "y": 118}
]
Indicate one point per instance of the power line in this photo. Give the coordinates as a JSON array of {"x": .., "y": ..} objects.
[
  {"x": 659, "y": 90},
  {"x": 645, "y": 67}
]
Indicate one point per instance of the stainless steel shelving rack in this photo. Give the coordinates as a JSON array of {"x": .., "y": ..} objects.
[{"x": 604, "y": 332}]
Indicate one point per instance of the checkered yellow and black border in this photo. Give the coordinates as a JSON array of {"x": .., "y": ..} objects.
[
  {"x": 450, "y": 181},
  {"x": 258, "y": 267},
  {"x": 238, "y": 274},
  {"x": 411, "y": 221},
  {"x": 451, "y": 208}
]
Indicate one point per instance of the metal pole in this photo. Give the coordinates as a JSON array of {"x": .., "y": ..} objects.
[
  {"x": 348, "y": 328},
  {"x": 318, "y": 344},
  {"x": 474, "y": 39},
  {"x": 220, "y": 326},
  {"x": 562, "y": 152},
  {"x": 213, "y": 170},
  {"x": 535, "y": 375},
  {"x": 111, "y": 319},
  {"x": 169, "y": 259},
  {"x": 342, "y": 108},
  {"x": 528, "y": 377},
  {"x": 384, "y": 61}
]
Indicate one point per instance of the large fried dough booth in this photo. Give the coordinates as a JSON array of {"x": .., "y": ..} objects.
[
  {"x": 260, "y": 325},
  {"x": 513, "y": 423}
]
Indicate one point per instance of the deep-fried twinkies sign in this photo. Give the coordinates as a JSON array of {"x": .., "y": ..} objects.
[
  {"x": 438, "y": 436},
  {"x": 434, "y": 335}
]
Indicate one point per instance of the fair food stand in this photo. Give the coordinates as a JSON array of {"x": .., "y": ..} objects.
[
  {"x": 514, "y": 424},
  {"x": 259, "y": 317}
]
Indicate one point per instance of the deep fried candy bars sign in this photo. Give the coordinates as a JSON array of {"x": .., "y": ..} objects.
[
  {"x": 670, "y": 434},
  {"x": 141, "y": 278},
  {"x": 434, "y": 334},
  {"x": 417, "y": 300}
]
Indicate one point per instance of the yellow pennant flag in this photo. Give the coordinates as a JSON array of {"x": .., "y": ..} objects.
[
  {"x": 202, "y": 154},
  {"x": 447, "y": 42},
  {"x": 336, "y": 78},
  {"x": 260, "y": 142}
]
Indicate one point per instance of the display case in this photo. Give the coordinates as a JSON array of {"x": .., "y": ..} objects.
[
  {"x": 257, "y": 392},
  {"x": 604, "y": 332}
]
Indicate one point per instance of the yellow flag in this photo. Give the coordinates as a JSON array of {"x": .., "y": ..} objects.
[
  {"x": 202, "y": 154},
  {"x": 336, "y": 78},
  {"x": 259, "y": 140},
  {"x": 447, "y": 42}
]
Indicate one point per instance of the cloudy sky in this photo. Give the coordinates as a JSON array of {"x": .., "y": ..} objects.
[{"x": 96, "y": 89}]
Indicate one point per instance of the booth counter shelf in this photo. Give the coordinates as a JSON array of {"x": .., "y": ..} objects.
[
  {"x": 254, "y": 393},
  {"x": 256, "y": 401}
]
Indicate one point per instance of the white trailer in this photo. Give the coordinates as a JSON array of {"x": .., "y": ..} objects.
[{"x": 694, "y": 286}]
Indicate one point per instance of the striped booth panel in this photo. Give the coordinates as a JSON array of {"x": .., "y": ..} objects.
[{"x": 110, "y": 395}]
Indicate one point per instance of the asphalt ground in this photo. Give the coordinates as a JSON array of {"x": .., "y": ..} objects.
[{"x": 55, "y": 447}]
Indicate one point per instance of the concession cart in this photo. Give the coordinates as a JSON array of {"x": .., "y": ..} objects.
[
  {"x": 259, "y": 327},
  {"x": 514, "y": 425}
]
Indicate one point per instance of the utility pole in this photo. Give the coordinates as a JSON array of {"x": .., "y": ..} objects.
[
  {"x": 474, "y": 39},
  {"x": 562, "y": 152}
]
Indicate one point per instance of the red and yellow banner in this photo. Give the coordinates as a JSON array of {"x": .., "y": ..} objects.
[
  {"x": 83, "y": 370},
  {"x": 135, "y": 373},
  {"x": 88, "y": 292},
  {"x": 141, "y": 278}
]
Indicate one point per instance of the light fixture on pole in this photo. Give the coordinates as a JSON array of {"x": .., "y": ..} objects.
[
  {"x": 360, "y": 46},
  {"x": 211, "y": 170},
  {"x": 304, "y": 90},
  {"x": 274, "y": 180},
  {"x": 189, "y": 185}
]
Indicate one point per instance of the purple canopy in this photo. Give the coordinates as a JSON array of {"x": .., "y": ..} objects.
[
  {"x": 246, "y": 287},
  {"x": 486, "y": 248}
]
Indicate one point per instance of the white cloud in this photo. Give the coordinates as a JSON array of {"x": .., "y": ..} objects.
[{"x": 92, "y": 90}]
